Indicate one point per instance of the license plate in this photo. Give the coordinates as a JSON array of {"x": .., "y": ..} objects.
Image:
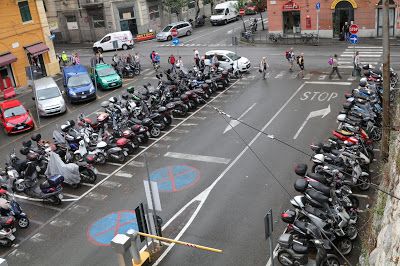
[
  {"x": 125, "y": 153},
  {"x": 84, "y": 96},
  {"x": 60, "y": 196},
  {"x": 20, "y": 127},
  {"x": 113, "y": 84}
]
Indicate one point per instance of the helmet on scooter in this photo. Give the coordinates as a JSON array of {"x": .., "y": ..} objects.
[
  {"x": 36, "y": 137},
  {"x": 318, "y": 158},
  {"x": 288, "y": 216},
  {"x": 124, "y": 96},
  {"x": 32, "y": 156},
  {"x": 363, "y": 82},
  {"x": 113, "y": 100},
  {"x": 105, "y": 104},
  {"x": 130, "y": 89}
]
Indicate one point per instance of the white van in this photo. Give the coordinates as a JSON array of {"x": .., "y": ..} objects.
[
  {"x": 123, "y": 38},
  {"x": 224, "y": 13}
]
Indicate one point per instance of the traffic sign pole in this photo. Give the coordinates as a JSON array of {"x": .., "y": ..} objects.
[{"x": 318, "y": 7}]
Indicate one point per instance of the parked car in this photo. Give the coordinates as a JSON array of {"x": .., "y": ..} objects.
[
  {"x": 224, "y": 13},
  {"x": 183, "y": 28},
  {"x": 124, "y": 41},
  {"x": 14, "y": 117},
  {"x": 105, "y": 77},
  {"x": 78, "y": 84},
  {"x": 227, "y": 58},
  {"x": 49, "y": 100}
]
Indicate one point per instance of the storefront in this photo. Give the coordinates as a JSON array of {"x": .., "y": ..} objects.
[
  {"x": 35, "y": 53},
  {"x": 291, "y": 18},
  {"x": 300, "y": 16},
  {"x": 7, "y": 78}
]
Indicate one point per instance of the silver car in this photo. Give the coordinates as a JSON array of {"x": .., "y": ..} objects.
[
  {"x": 49, "y": 99},
  {"x": 182, "y": 27}
]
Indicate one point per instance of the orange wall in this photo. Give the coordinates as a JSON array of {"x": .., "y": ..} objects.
[{"x": 12, "y": 30}]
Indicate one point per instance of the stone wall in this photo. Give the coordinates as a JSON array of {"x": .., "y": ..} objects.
[{"x": 387, "y": 216}]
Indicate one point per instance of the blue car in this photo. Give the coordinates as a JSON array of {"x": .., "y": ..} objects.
[{"x": 78, "y": 84}]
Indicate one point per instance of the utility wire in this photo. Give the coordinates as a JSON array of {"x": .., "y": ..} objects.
[
  {"x": 375, "y": 186},
  {"x": 282, "y": 186}
]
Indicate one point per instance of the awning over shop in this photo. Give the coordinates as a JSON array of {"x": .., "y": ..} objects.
[
  {"x": 7, "y": 58},
  {"x": 37, "y": 49},
  {"x": 290, "y": 6}
]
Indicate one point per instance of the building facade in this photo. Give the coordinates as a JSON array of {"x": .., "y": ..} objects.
[
  {"x": 78, "y": 21},
  {"x": 300, "y": 16},
  {"x": 25, "y": 40}
]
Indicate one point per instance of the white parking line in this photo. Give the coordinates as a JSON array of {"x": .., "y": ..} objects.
[
  {"x": 195, "y": 157},
  {"x": 87, "y": 184},
  {"x": 116, "y": 164},
  {"x": 328, "y": 83},
  {"x": 123, "y": 174},
  {"x": 101, "y": 173},
  {"x": 70, "y": 195}
]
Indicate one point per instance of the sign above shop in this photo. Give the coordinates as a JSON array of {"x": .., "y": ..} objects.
[{"x": 291, "y": 6}]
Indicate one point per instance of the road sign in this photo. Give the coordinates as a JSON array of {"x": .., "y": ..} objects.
[
  {"x": 175, "y": 41},
  {"x": 103, "y": 230},
  {"x": 353, "y": 39},
  {"x": 318, "y": 6},
  {"x": 175, "y": 177},
  {"x": 241, "y": 11},
  {"x": 268, "y": 224},
  {"x": 174, "y": 33},
  {"x": 154, "y": 193},
  {"x": 353, "y": 29}
]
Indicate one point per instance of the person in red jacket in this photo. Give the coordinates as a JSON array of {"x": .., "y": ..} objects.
[{"x": 172, "y": 60}]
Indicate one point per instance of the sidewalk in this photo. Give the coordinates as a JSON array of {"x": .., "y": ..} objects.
[{"x": 261, "y": 37}]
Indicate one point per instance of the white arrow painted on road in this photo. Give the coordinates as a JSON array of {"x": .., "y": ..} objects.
[
  {"x": 233, "y": 123},
  {"x": 322, "y": 112}
]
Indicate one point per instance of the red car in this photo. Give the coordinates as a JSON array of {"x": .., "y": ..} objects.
[{"x": 14, "y": 117}]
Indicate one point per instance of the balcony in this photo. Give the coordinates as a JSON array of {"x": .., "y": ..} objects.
[{"x": 91, "y": 4}]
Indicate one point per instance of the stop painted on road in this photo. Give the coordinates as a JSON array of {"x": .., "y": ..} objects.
[
  {"x": 175, "y": 178},
  {"x": 102, "y": 231},
  {"x": 318, "y": 96}
]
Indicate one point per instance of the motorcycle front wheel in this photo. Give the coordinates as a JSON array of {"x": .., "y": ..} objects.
[
  {"x": 88, "y": 176},
  {"x": 285, "y": 258},
  {"x": 351, "y": 232},
  {"x": 345, "y": 245},
  {"x": 332, "y": 260},
  {"x": 101, "y": 159},
  {"x": 55, "y": 200},
  {"x": 364, "y": 183},
  {"x": 121, "y": 157},
  {"x": 155, "y": 132},
  {"x": 19, "y": 187},
  {"x": 23, "y": 222}
]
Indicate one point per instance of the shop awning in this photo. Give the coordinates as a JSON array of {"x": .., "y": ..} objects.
[
  {"x": 37, "y": 49},
  {"x": 7, "y": 58}
]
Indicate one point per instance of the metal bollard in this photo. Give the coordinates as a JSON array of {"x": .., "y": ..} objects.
[
  {"x": 133, "y": 234},
  {"x": 121, "y": 244}
]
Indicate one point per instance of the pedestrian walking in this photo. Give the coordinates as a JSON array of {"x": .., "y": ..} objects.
[
  {"x": 345, "y": 31},
  {"x": 196, "y": 58},
  {"x": 290, "y": 57},
  {"x": 179, "y": 62},
  {"x": 76, "y": 59},
  {"x": 334, "y": 64},
  {"x": 171, "y": 61},
  {"x": 101, "y": 58},
  {"x": 300, "y": 63},
  {"x": 264, "y": 66},
  {"x": 64, "y": 58},
  {"x": 136, "y": 60},
  {"x": 357, "y": 67},
  {"x": 214, "y": 62},
  {"x": 115, "y": 60}
]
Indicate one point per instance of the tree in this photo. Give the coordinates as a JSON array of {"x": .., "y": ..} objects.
[
  {"x": 241, "y": 4},
  {"x": 260, "y": 4},
  {"x": 175, "y": 6}
]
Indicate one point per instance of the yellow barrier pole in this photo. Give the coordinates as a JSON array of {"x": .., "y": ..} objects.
[{"x": 181, "y": 243}]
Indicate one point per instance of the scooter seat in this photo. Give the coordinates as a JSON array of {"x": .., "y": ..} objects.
[
  {"x": 335, "y": 152},
  {"x": 317, "y": 177},
  {"x": 317, "y": 196},
  {"x": 321, "y": 188},
  {"x": 301, "y": 225},
  {"x": 315, "y": 211},
  {"x": 45, "y": 185},
  {"x": 300, "y": 248},
  {"x": 345, "y": 132}
]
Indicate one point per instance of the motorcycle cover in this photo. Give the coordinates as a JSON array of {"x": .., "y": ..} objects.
[{"x": 70, "y": 171}]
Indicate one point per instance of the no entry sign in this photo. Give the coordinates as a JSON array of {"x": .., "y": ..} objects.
[
  {"x": 353, "y": 29},
  {"x": 241, "y": 11},
  {"x": 174, "y": 33}
]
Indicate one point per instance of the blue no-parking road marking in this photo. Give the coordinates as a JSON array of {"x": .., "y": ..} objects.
[
  {"x": 102, "y": 231},
  {"x": 175, "y": 177}
]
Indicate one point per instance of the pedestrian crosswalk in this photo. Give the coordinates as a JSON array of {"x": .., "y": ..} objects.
[
  {"x": 276, "y": 74},
  {"x": 368, "y": 55},
  {"x": 196, "y": 45}
]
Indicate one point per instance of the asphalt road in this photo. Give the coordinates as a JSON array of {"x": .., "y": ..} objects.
[{"x": 195, "y": 161}]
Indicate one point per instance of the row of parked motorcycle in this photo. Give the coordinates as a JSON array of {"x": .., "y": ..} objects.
[
  {"x": 126, "y": 121},
  {"x": 323, "y": 220}
]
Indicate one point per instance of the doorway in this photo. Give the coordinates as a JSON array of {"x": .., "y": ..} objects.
[
  {"x": 391, "y": 22},
  {"x": 344, "y": 12},
  {"x": 291, "y": 22},
  {"x": 38, "y": 66}
]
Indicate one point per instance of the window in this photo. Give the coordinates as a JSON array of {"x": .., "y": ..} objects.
[
  {"x": 106, "y": 39},
  {"x": 25, "y": 11},
  {"x": 98, "y": 19},
  {"x": 70, "y": 18},
  {"x": 126, "y": 13},
  {"x": 154, "y": 12}
]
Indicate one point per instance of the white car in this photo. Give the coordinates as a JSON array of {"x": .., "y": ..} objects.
[{"x": 227, "y": 58}]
